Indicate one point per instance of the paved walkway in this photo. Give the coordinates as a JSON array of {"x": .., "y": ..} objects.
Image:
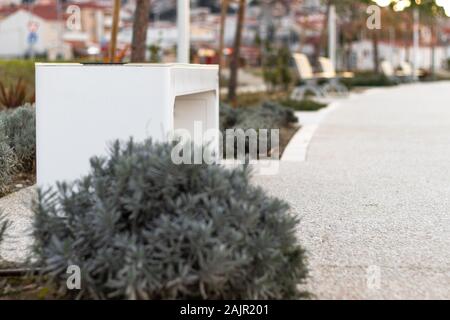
[
  {"x": 17, "y": 244},
  {"x": 374, "y": 196}
]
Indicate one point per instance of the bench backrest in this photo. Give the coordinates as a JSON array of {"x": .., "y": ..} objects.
[
  {"x": 386, "y": 68},
  {"x": 328, "y": 70},
  {"x": 406, "y": 68},
  {"x": 304, "y": 68}
]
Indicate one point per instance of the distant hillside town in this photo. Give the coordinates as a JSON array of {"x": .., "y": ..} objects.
[{"x": 71, "y": 29}]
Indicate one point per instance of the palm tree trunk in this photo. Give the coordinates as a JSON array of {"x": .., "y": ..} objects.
[
  {"x": 114, "y": 30},
  {"x": 223, "y": 16},
  {"x": 140, "y": 25},
  {"x": 376, "y": 62},
  {"x": 234, "y": 66},
  {"x": 323, "y": 34},
  {"x": 433, "y": 50}
]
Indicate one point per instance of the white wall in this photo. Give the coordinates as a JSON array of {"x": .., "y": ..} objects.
[
  {"x": 14, "y": 34},
  {"x": 364, "y": 55}
]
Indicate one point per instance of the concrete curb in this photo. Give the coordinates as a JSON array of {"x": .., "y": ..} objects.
[{"x": 297, "y": 149}]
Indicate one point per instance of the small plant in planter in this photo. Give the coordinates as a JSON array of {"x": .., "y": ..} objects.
[
  {"x": 141, "y": 227},
  {"x": 13, "y": 96},
  {"x": 276, "y": 67},
  {"x": 269, "y": 115}
]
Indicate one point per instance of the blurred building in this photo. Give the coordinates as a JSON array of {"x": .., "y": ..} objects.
[
  {"x": 4, "y": 3},
  {"x": 36, "y": 31},
  {"x": 81, "y": 28},
  {"x": 46, "y": 29},
  {"x": 395, "y": 53}
]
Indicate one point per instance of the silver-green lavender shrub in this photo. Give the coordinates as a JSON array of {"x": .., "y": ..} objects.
[
  {"x": 18, "y": 128},
  {"x": 8, "y": 163},
  {"x": 141, "y": 227}
]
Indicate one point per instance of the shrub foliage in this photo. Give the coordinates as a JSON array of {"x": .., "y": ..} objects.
[
  {"x": 368, "y": 79},
  {"x": 276, "y": 67},
  {"x": 303, "y": 105},
  {"x": 269, "y": 115},
  {"x": 18, "y": 127},
  {"x": 8, "y": 162},
  {"x": 141, "y": 227}
]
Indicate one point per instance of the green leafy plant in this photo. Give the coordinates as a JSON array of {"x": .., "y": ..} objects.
[
  {"x": 141, "y": 227},
  {"x": 276, "y": 67},
  {"x": 155, "y": 51},
  {"x": 250, "y": 99},
  {"x": 368, "y": 79},
  {"x": 12, "y": 70},
  {"x": 302, "y": 105},
  {"x": 13, "y": 96},
  {"x": 18, "y": 127}
]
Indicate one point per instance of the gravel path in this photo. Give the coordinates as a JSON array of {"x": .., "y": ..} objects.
[
  {"x": 374, "y": 196},
  {"x": 16, "y": 207}
]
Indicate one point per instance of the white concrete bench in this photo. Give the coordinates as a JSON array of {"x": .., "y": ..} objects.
[{"x": 83, "y": 107}]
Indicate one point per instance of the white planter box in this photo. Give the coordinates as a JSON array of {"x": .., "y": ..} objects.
[{"x": 82, "y": 108}]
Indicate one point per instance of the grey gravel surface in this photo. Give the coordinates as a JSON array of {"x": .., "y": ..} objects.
[
  {"x": 17, "y": 209},
  {"x": 374, "y": 196}
]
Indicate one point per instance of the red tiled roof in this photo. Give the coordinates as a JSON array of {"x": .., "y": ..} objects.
[
  {"x": 7, "y": 10},
  {"x": 89, "y": 5},
  {"x": 46, "y": 12}
]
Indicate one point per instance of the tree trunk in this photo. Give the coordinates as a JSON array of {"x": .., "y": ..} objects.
[
  {"x": 223, "y": 16},
  {"x": 140, "y": 25},
  {"x": 234, "y": 65},
  {"x": 322, "y": 36},
  {"x": 114, "y": 30},
  {"x": 433, "y": 51},
  {"x": 376, "y": 62}
]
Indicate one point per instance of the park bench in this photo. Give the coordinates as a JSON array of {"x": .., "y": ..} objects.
[
  {"x": 307, "y": 76},
  {"x": 406, "y": 69},
  {"x": 333, "y": 78},
  {"x": 389, "y": 72}
]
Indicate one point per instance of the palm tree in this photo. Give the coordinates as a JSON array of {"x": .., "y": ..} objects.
[
  {"x": 140, "y": 25},
  {"x": 114, "y": 30},
  {"x": 323, "y": 32},
  {"x": 376, "y": 52},
  {"x": 234, "y": 65},
  {"x": 223, "y": 16}
]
